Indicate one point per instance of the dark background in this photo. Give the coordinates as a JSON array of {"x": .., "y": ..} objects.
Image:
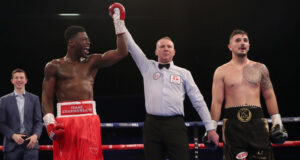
[{"x": 31, "y": 35}]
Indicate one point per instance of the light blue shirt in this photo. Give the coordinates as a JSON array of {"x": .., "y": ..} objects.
[
  {"x": 20, "y": 102},
  {"x": 165, "y": 89}
]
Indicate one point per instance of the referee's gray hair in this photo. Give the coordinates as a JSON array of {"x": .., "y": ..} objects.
[{"x": 165, "y": 37}]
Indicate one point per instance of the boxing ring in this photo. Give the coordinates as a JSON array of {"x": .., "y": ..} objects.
[{"x": 195, "y": 147}]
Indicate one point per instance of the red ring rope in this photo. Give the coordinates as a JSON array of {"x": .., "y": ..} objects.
[{"x": 141, "y": 146}]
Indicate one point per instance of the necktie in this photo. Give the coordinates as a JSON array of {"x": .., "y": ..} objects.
[{"x": 167, "y": 66}]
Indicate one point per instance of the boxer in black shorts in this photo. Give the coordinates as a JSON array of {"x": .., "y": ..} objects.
[
  {"x": 241, "y": 125},
  {"x": 239, "y": 84}
]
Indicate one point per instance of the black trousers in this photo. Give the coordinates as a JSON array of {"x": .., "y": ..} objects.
[
  {"x": 22, "y": 153},
  {"x": 165, "y": 137}
]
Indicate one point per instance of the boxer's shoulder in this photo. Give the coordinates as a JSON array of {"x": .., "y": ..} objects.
[
  {"x": 221, "y": 70},
  {"x": 52, "y": 65},
  {"x": 56, "y": 61}
]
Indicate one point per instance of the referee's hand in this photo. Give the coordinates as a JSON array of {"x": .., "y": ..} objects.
[{"x": 211, "y": 139}]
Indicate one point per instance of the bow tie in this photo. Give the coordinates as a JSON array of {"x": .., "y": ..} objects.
[{"x": 167, "y": 66}]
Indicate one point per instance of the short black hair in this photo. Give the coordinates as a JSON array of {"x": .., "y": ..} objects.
[
  {"x": 71, "y": 31},
  {"x": 237, "y": 31},
  {"x": 18, "y": 70}
]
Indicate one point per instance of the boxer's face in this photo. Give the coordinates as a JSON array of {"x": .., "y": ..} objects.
[
  {"x": 82, "y": 43},
  {"x": 19, "y": 80},
  {"x": 239, "y": 45},
  {"x": 165, "y": 50}
]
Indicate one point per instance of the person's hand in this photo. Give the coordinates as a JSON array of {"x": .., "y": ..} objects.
[
  {"x": 18, "y": 138},
  {"x": 32, "y": 141},
  {"x": 211, "y": 139},
  {"x": 117, "y": 12}
]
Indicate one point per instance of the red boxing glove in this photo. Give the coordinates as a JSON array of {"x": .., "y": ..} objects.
[
  {"x": 121, "y": 9},
  {"x": 117, "y": 12},
  {"x": 55, "y": 131}
]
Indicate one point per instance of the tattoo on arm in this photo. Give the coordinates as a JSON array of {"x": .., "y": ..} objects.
[
  {"x": 257, "y": 74},
  {"x": 265, "y": 81}
]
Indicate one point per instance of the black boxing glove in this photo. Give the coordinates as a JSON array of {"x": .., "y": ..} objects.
[{"x": 278, "y": 134}]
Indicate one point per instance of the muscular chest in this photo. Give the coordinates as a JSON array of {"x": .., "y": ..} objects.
[
  {"x": 72, "y": 71},
  {"x": 246, "y": 77}
]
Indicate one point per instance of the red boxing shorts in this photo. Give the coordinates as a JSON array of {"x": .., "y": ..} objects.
[{"x": 82, "y": 138}]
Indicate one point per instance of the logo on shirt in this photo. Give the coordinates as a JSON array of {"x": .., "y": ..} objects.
[
  {"x": 156, "y": 75},
  {"x": 175, "y": 79}
]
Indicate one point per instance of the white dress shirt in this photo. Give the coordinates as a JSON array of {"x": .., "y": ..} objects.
[
  {"x": 20, "y": 102},
  {"x": 165, "y": 89}
]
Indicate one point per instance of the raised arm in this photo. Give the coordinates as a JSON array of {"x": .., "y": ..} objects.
[
  {"x": 117, "y": 12},
  {"x": 111, "y": 57},
  {"x": 135, "y": 51},
  {"x": 217, "y": 95},
  {"x": 137, "y": 54}
]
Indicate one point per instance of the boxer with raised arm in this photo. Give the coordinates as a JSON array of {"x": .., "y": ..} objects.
[
  {"x": 76, "y": 130},
  {"x": 240, "y": 83}
]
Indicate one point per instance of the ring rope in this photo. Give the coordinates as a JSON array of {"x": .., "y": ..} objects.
[
  {"x": 188, "y": 124},
  {"x": 141, "y": 146}
]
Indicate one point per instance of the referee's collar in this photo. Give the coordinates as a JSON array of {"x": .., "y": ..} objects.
[{"x": 165, "y": 65}]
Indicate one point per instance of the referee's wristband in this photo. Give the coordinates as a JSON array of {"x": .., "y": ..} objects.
[{"x": 215, "y": 123}]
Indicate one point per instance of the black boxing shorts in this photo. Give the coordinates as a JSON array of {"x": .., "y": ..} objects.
[{"x": 246, "y": 134}]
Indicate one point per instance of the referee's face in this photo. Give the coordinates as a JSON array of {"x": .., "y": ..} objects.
[{"x": 165, "y": 51}]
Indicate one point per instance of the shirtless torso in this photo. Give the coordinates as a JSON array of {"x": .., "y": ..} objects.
[
  {"x": 72, "y": 77},
  {"x": 242, "y": 84},
  {"x": 241, "y": 81}
]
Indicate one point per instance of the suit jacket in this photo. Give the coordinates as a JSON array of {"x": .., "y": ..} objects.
[{"x": 10, "y": 119}]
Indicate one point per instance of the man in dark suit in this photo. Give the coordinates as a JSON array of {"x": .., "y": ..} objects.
[{"x": 20, "y": 120}]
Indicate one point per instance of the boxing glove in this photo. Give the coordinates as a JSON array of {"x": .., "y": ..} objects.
[
  {"x": 55, "y": 130},
  {"x": 278, "y": 134},
  {"x": 117, "y": 12}
]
